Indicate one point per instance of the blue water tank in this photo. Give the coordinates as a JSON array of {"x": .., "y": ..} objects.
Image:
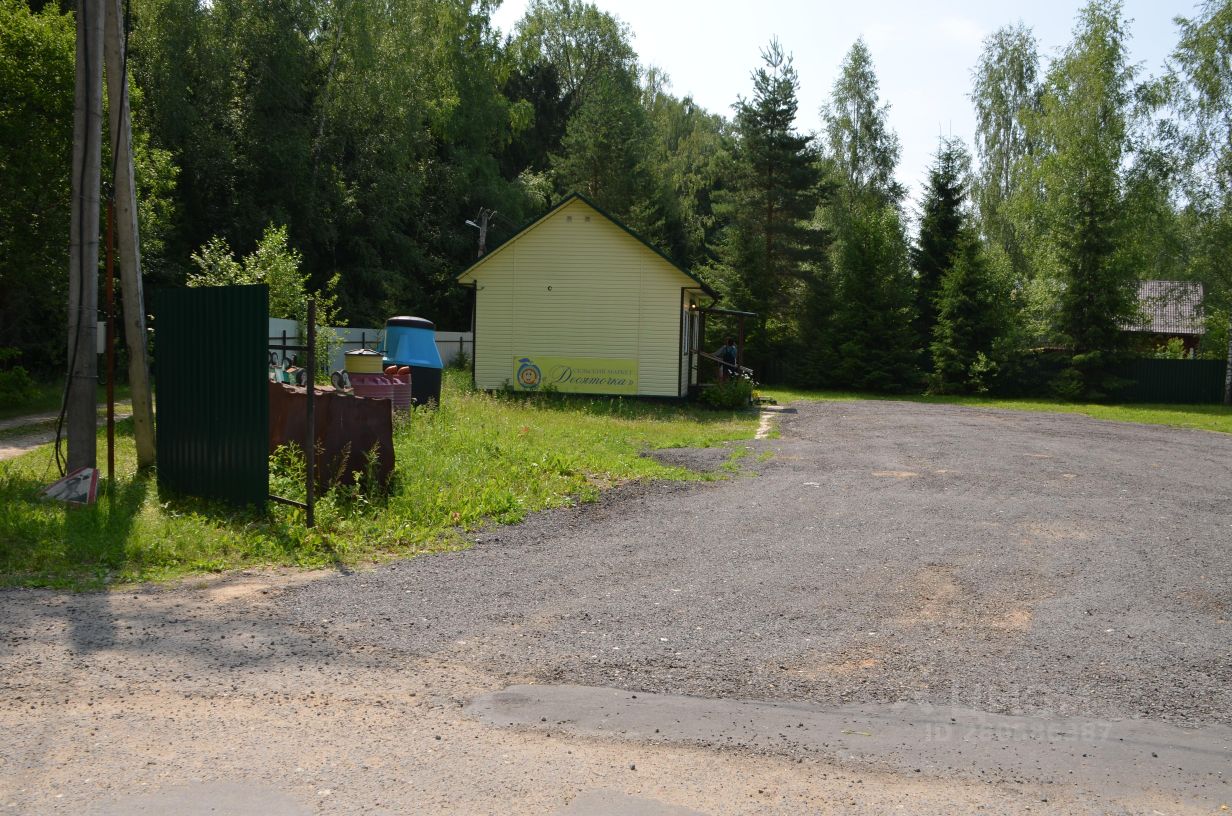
[{"x": 411, "y": 341}]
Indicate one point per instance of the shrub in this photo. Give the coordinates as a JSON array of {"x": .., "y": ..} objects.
[
  {"x": 735, "y": 392},
  {"x": 277, "y": 265},
  {"x": 1174, "y": 349},
  {"x": 16, "y": 386}
]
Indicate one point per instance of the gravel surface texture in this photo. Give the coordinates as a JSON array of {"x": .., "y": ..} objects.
[
  {"x": 921, "y": 557},
  {"x": 1010, "y": 562}
]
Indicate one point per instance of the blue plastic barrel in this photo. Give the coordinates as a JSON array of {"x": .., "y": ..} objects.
[{"x": 411, "y": 341}]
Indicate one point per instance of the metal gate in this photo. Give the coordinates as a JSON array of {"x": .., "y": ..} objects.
[{"x": 211, "y": 373}]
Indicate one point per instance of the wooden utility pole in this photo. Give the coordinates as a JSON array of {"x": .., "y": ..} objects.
[
  {"x": 126, "y": 227},
  {"x": 80, "y": 396},
  {"x": 482, "y": 226}
]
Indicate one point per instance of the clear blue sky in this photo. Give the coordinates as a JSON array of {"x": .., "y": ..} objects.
[{"x": 923, "y": 51}]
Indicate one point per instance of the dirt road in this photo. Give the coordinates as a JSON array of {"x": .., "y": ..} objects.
[{"x": 911, "y": 608}]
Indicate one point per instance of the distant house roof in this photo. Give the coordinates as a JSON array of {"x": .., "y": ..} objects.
[{"x": 1169, "y": 307}]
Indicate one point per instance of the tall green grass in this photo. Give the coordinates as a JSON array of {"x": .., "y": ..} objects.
[{"x": 479, "y": 459}]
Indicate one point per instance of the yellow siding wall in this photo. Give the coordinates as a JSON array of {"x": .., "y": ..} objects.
[{"x": 577, "y": 285}]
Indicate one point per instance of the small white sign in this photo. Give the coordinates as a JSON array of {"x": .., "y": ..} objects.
[{"x": 78, "y": 487}]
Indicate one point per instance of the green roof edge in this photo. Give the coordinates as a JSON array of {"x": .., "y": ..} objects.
[{"x": 588, "y": 202}]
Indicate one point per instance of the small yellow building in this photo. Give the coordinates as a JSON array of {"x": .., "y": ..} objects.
[{"x": 578, "y": 302}]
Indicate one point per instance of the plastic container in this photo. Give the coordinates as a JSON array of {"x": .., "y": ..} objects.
[
  {"x": 411, "y": 341},
  {"x": 373, "y": 386},
  {"x": 403, "y": 394},
  {"x": 363, "y": 361}
]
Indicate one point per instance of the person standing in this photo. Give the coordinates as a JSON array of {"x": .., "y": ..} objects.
[{"x": 728, "y": 354}]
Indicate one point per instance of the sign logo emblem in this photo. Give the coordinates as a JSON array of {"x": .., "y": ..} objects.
[{"x": 529, "y": 375}]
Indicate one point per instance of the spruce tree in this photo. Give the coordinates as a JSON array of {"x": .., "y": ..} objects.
[
  {"x": 941, "y": 221},
  {"x": 872, "y": 338},
  {"x": 604, "y": 148},
  {"x": 971, "y": 310},
  {"x": 876, "y": 345}
]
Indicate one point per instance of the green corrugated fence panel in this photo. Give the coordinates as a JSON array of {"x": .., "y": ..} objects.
[
  {"x": 211, "y": 372},
  {"x": 1173, "y": 381}
]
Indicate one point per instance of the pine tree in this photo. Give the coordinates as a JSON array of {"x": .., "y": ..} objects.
[
  {"x": 941, "y": 222},
  {"x": 971, "y": 318},
  {"x": 769, "y": 241}
]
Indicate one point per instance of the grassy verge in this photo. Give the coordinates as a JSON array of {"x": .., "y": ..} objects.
[
  {"x": 480, "y": 459},
  {"x": 1203, "y": 417}
]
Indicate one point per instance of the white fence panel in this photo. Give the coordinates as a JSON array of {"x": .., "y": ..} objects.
[{"x": 449, "y": 344}]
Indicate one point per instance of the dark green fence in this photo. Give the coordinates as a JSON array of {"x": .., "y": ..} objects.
[
  {"x": 212, "y": 376},
  {"x": 1173, "y": 381}
]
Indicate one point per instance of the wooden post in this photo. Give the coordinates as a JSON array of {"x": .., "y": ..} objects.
[
  {"x": 110, "y": 347},
  {"x": 740, "y": 341},
  {"x": 701, "y": 344},
  {"x": 310, "y": 449},
  {"x": 126, "y": 218},
  {"x": 83, "y": 244}
]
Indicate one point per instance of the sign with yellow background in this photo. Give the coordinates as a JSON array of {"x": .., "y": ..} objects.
[{"x": 579, "y": 375}]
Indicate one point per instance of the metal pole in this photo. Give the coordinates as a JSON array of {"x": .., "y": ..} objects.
[
  {"x": 310, "y": 452},
  {"x": 111, "y": 340},
  {"x": 81, "y": 397}
]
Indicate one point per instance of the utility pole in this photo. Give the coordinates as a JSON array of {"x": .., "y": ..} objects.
[
  {"x": 80, "y": 394},
  {"x": 126, "y": 227},
  {"x": 483, "y": 217}
]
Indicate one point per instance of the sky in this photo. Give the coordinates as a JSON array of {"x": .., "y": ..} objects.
[{"x": 923, "y": 51}]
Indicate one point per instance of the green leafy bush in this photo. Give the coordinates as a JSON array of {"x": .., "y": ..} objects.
[
  {"x": 1174, "y": 349},
  {"x": 16, "y": 386},
  {"x": 735, "y": 392},
  {"x": 277, "y": 265}
]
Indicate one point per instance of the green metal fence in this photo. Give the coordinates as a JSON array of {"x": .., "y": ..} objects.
[
  {"x": 213, "y": 395},
  {"x": 1173, "y": 381}
]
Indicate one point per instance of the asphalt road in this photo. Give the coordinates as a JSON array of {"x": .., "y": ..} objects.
[{"x": 959, "y": 608}]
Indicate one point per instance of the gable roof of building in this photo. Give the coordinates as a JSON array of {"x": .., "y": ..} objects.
[
  {"x": 585, "y": 200},
  {"x": 1169, "y": 307}
]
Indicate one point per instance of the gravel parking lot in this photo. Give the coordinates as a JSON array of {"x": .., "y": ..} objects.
[
  {"x": 1002, "y": 561},
  {"x": 1052, "y": 592}
]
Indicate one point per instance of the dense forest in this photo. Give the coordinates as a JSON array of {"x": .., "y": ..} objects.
[{"x": 363, "y": 135}]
